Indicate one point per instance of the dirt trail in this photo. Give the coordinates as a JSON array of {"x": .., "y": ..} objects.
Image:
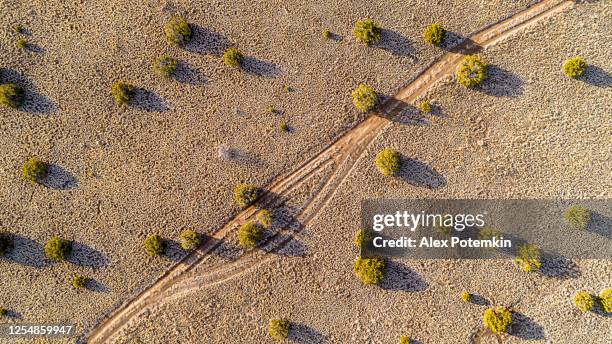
[{"x": 341, "y": 154}]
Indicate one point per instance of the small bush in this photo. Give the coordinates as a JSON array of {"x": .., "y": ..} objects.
[
  {"x": 154, "y": 245},
  {"x": 361, "y": 236},
  {"x": 271, "y": 110},
  {"x": 327, "y": 34},
  {"x": 249, "y": 235},
  {"x": 279, "y": 328},
  {"x": 35, "y": 170},
  {"x": 21, "y": 43},
  {"x": 528, "y": 258},
  {"x": 178, "y": 31},
  {"x": 190, "y": 239},
  {"x": 605, "y": 300},
  {"x": 364, "y": 98},
  {"x": 264, "y": 218},
  {"x": 465, "y": 296},
  {"x": 574, "y": 67},
  {"x": 497, "y": 319},
  {"x": 284, "y": 127},
  {"x": 165, "y": 66},
  {"x": 3, "y": 312},
  {"x": 425, "y": 107},
  {"x": 434, "y": 34},
  {"x": 370, "y": 270},
  {"x": 578, "y": 216},
  {"x": 79, "y": 282},
  {"x": 388, "y": 162},
  {"x": 6, "y": 243},
  {"x": 57, "y": 249},
  {"x": 246, "y": 194},
  {"x": 367, "y": 31},
  {"x": 232, "y": 57},
  {"x": 18, "y": 28},
  {"x": 122, "y": 92},
  {"x": 584, "y": 301},
  {"x": 472, "y": 71},
  {"x": 11, "y": 95},
  {"x": 404, "y": 340}
]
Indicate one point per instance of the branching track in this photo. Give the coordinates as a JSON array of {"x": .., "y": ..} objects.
[{"x": 339, "y": 157}]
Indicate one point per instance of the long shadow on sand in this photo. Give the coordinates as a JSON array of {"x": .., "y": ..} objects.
[
  {"x": 85, "y": 255},
  {"x": 526, "y": 328},
  {"x": 395, "y": 43},
  {"x": 60, "y": 178},
  {"x": 96, "y": 286},
  {"x": 186, "y": 74},
  {"x": 400, "y": 277},
  {"x": 401, "y": 112},
  {"x": 27, "y": 252},
  {"x": 419, "y": 174},
  {"x": 304, "y": 334},
  {"x": 600, "y": 225},
  {"x": 33, "y": 102},
  {"x": 256, "y": 66},
  {"x": 148, "y": 101},
  {"x": 502, "y": 83},
  {"x": 207, "y": 41}
]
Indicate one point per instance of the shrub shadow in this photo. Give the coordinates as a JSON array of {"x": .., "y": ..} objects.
[
  {"x": 85, "y": 255},
  {"x": 557, "y": 266},
  {"x": 600, "y": 225},
  {"x": 206, "y": 41},
  {"x": 401, "y": 112},
  {"x": 27, "y": 252},
  {"x": 33, "y": 102},
  {"x": 238, "y": 156},
  {"x": 96, "y": 286},
  {"x": 255, "y": 66},
  {"x": 304, "y": 334},
  {"x": 502, "y": 83},
  {"x": 526, "y": 328},
  {"x": 35, "y": 48},
  {"x": 173, "y": 250},
  {"x": 291, "y": 246},
  {"x": 419, "y": 174},
  {"x": 395, "y": 43},
  {"x": 455, "y": 43},
  {"x": 399, "y": 277},
  {"x": 186, "y": 74},
  {"x": 148, "y": 101},
  {"x": 11, "y": 314},
  {"x": 479, "y": 300},
  {"x": 60, "y": 178}
]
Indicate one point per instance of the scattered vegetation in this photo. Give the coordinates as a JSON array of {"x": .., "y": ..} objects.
[
  {"x": 232, "y": 57},
  {"x": 388, "y": 162},
  {"x": 528, "y": 258},
  {"x": 178, "y": 31},
  {"x": 425, "y": 107},
  {"x": 605, "y": 300},
  {"x": 584, "y": 301},
  {"x": 472, "y": 71},
  {"x": 497, "y": 319},
  {"x": 123, "y": 92},
  {"x": 57, "y": 249},
  {"x": 370, "y": 270},
  {"x": 35, "y": 170},
  {"x": 327, "y": 34},
  {"x": 578, "y": 216},
  {"x": 21, "y": 43},
  {"x": 279, "y": 329},
  {"x": 284, "y": 127},
  {"x": 574, "y": 67},
  {"x": 434, "y": 34},
  {"x": 404, "y": 340},
  {"x": 6, "y": 243},
  {"x": 367, "y": 31},
  {"x": 154, "y": 245},
  {"x": 165, "y": 66},
  {"x": 465, "y": 296},
  {"x": 264, "y": 218},
  {"x": 364, "y": 98},
  {"x": 11, "y": 95},
  {"x": 79, "y": 282},
  {"x": 249, "y": 235},
  {"x": 190, "y": 239},
  {"x": 246, "y": 194}
]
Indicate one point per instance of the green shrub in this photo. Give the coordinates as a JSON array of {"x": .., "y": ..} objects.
[
  {"x": 57, "y": 249},
  {"x": 190, "y": 239},
  {"x": 154, "y": 245},
  {"x": 367, "y": 31},
  {"x": 264, "y": 218},
  {"x": 465, "y": 296},
  {"x": 232, "y": 57},
  {"x": 165, "y": 66},
  {"x": 370, "y": 270},
  {"x": 327, "y": 34},
  {"x": 123, "y": 92},
  {"x": 584, "y": 301},
  {"x": 249, "y": 234},
  {"x": 271, "y": 110},
  {"x": 11, "y": 95},
  {"x": 488, "y": 233},
  {"x": 21, "y": 43},
  {"x": 574, "y": 67},
  {"x": 472, "y": 71},
  {"x": 605, "y": 300},
  {"x": 578, "y": 216},
  {"x": 425, "y": 107},
  {"x": 388, "y": 162},
  {"x": 528, "y": 258},
  {"x": 18, "y": 28},
  {"x": 434, "y": 34},
  {"x": 497, "y": 319},
  {"x": 35, "y": 170},
  {"x": 361, "y": 236},
  {"x": 6, "y": 243},
  {"x": 178, "y": 31},
  {"x": 3, "y": 312},
  {"x": 246, "y": 194},
  {"x": 442, "y": 229},
  {"x": 279, "y": 328},
  {"x": 79, "y": 282},
  {"x": 284, "y": 127},
  {"x": 404, "y": 340},
  {"x": 364, "y": 98}
]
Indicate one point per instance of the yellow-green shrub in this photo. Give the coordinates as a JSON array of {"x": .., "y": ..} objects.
[
  {"x": 434, "y": 34},
  {"x": 584, "y": 301},
  {"x": 154, "y": 245},
  {"x": 388, "y": 161},
  {"x": 497, "y": 319},
  {"x": 578, "y": 216},
  {"x": 11, "y": 95},
  {"x": 364, "y": 98},
  {"x": 574, "y": 67},
  {"x": 279, "y": 328},
  {"x": 35, "y": 170},
  {"x": 472, "y": 71},
  {"x": 528, "y": 258},
  {"x": 57, "y": 249},
  {"x": 165, "y": 66},
  {"x": 79, "y": 282},
  {"x": 177, "y": 31},
  {"x": 425, "y": 107},
  {"x": 605, "y": 300},
  {"x": 190, "y": 239},
  {"x": 246, "y": 194},
  {"x": 404, "y": 340},
  {"x": 367, "y": 31},
  {"x": 6, "y": 243},
  {"x": 465, "y": 296},
  {"x": 122, "y": 92},
  {"x": 249, "y": 235},
  {"x": 232, "y": 57},
  {"x": 370, "y": 270},
  {"x": 264, "y": 218}
]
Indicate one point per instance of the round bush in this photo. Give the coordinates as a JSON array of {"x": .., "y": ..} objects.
[
  {"x": 279, "y": 329},
  {"x": 3, "y": 312},
  {"x": 465, "y": 296},
  {"x": 584, "y": 301},
  {"x": 190, "y": 239},
  {"x": 6, "y": 243},
  {"x": 249, "y": 234},
  {"x": 364, "y": 98},
  {"x": 11, "y": 95},
  {"x": 472, "y": 71},
  {"x": 404, "y": 340},
  {"x": 434, "y": 34},
  {"x": 165, "y": 66},
  {"x": 264, "y": 218},
  {"x": 246, "y": 194},
  {"x": 327, "y": 34},
  {"x": 154, "y": 245},
  {"x": 79, "y": 282},
  {"x": 178, "y": 31},
  {"x": 122, "y": 92},
  {"x": 388, "y": 162},
  {"x": 497, "y": 319},
  {"x": 21, "y": 44},
  {"x": 574, "y": 67},
  {"x": 528, "y": 258},
  {"x": 370, "y": 270},
  {"x": 57, "y": 249},
  {"x": 367, "y": 31},
  {"x": 425, "y": 107},
  {"x": 35, "y": 170},
  {"x": 605, "y": 300},
  {"x": 232, "y": 57},
  {"x": 578, "y": 216}
]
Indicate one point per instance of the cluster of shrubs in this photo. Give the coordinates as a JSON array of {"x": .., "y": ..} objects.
[
  {"x": 279, "y": 329},
  {"x": 528, "y": 258},
  {"x": 497, "y": 319},
  {"x": 578, "y": 216},
  {"x": 11, "y": 95},
  {"x": 585, "y": 301},
  {"x": 155, "y": 245},
  {"x": 472, "y": 71},
  {"x": 364, "y": 98},
  {"x": 388, "y": 162}
]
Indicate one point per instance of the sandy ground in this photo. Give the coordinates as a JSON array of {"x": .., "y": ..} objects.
[{"x": 529, "y": 132}]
